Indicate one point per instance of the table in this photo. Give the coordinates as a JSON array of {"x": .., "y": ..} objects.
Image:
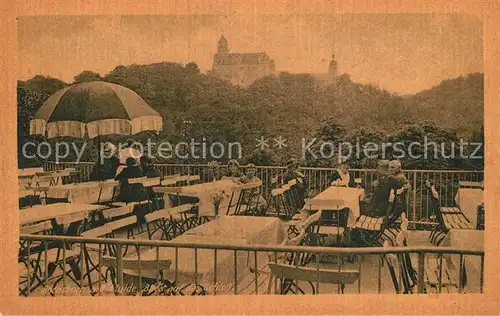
[
  {"x": 85, "y": 192},
  {"x": 468, "y": 200},
  {"x": 337, "y": 198},
  {"x": 204, "y": 191},
  {"x": 51, "y": 211},
  {"x": 228, "y": 230},
  {"x": 466, "y": 239}
]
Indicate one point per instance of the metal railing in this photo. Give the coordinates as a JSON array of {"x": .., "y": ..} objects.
[
  {"x": 44, "y": 242},
  {"x": 418, "y": 199}
]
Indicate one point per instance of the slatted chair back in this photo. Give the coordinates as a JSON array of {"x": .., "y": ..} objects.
[
  {"x": 111, "y": 265},
  {"x": 182, "y": 209},
  {"x": 121, "y": 223},
  {"x": 105, "y": 185},
  {"x": 247, "y": 201},
  {"x": 439, "y": 232},
  {"x": 173, "y": 193},
  {"x": 289, "y": 199},
  {"x": 114, "y": 212},
  {"x": 101, "y": 231},
  {"x": 277, "y": 201},
  {"x": 291, "y": 195},
  {"x": 158, "y": 221},
  {"x": 312, "y": 275},
  {"x": 194, "y": 179},
  {"x": 36, "y": 228}
]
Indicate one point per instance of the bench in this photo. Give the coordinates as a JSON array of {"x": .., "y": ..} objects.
[{"x": 454, "y": 218}]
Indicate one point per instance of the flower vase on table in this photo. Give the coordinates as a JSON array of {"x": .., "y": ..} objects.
[
  {"x": 217, "y": 197},
  {"x": 216, "y": 212}
]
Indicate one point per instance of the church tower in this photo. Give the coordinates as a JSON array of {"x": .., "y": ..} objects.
[
  {"x": 223, "y": 46},
  {"x": 332, "y": 70}
]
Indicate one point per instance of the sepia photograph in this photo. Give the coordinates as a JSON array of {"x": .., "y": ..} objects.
[{"x": 250, "y": 154}]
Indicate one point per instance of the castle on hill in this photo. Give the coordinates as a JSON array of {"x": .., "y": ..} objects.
[{"x": 244, "y": 68}]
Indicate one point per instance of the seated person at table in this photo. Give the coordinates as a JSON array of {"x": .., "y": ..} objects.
[
  {"x": 128, "y": 152},
  {"x": 233, "y": 171},
  {"x": 148, "y": 169},
  {"x": 250, "y": 177},
  {"x": 292, "y": 173},
  {"x": 342, "y": 177},
  {"x": 105, "y": 168},
  {"x": 389, "y": 178},
  {"x": 130, "y": 192}
]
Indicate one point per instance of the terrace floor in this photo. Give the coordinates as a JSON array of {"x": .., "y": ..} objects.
[{"x": 368, "y": 280}]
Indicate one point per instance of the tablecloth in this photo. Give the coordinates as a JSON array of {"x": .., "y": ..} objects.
[
  {"x": 337, "y": 198},
  {"x": 466, "y": 239},
  {"x": 204, "y": 191},
  {"x": 229, "y": 230},
  {"x": 468, "y": 200}
]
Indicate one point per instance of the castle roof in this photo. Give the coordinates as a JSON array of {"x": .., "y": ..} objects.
[{"x": 245, "y": 58}]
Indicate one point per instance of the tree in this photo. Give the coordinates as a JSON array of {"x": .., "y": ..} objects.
[
  {"x": 86, "y": 76},
  {"x": 192, "y": 68}
]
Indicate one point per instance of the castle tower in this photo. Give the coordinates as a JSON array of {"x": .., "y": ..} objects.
[
  {"x": 222, "y": 46},
  {"x": 332, "y": 70}
]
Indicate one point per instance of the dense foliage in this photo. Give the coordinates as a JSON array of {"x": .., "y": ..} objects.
[{"x": 296, "y": 107}]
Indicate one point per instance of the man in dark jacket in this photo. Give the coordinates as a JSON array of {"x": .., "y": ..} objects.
[
  {"x": 130, "y": 192},
  {"x": 292, "y": 173}
]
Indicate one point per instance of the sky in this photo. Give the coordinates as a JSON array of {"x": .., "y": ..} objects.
[{"x": 403, "y": 53}]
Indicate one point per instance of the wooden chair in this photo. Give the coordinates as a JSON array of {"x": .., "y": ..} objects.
[
  {"x": 89, "y": 249},
  {"x": 247, "y": 202},
  {"x": 104, "y": 185},
  {"x": 281, "y": 208},
  {"x": 162, "y": 221},
  {"x": 30, "y": 270},
  {"x": 375, "y": 230},
  {"x": 111, "y": 265},
  {"x": 64, "y": 253}
]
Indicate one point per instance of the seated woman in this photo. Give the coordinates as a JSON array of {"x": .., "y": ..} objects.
[
  {"x": 342, "y": 177},
  {"x": 148, "y": 169},
  {"x": 389, "y": 178},
  {"x": 130, "y": 192},
  {"x": 257, "y": 199},
  {"x": 293, "y": 173},
  {"x": 105, "y": 168},
  {"x": 233, "y": 171}
]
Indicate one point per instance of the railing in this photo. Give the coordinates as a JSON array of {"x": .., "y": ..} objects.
[
  {"x": 418, "y": 199},
  {"x": 318, "y": 252}
]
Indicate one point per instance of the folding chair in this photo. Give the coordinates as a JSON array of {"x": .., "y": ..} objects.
[
  {"x": 111, "y": 265},
  {"x": 245, "y": 198},
  {"x": 30, "y": 253},
  {"x": 104, "y": 231},
  {"x": 439, "y": 232},
  {"x": 161, "y": 220},
  {"x": 280, "y": 206},
  {"x": 66, "y": 253},
  {"x": 332, "y": 223},
  {"x": 375, "y": 230}
]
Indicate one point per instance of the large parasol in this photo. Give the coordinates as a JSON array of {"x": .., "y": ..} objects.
[{"x": 94, "y": 108}]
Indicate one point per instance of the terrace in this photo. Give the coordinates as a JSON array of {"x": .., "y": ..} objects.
[{"x": 90, "y": 244}]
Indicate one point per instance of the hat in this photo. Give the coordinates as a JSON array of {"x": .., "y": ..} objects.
[{"x": 109, "y": 147}]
